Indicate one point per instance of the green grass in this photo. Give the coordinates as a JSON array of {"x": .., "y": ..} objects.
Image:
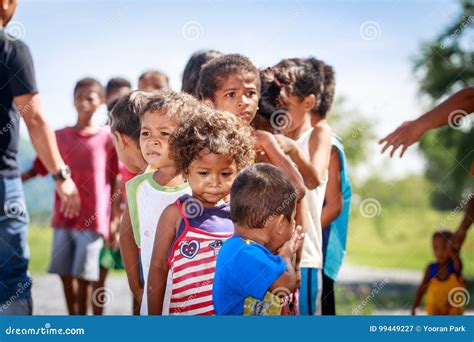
[
  {"x": 401, "y": 238},
  {"x": 40, "y": 239},
  {"x": 397, "y": 238}
]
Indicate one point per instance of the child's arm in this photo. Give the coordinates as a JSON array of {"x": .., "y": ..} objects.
[
  {"x": 460, "y": 104},
  {"x": 421, "y": 291},
  {"x": 320, "y": 150},
  {"x": 129, "y": 252},
  {"x": 115, "y": 212},
  {"x": 308, "y": 172},
  {"x": 27, "y": 175},
  {"x": 333, "y": 197},
  {"x": 460, "y": 235},
  {"x": 267, "y": 142},
  {"x": 158, "y": 273},
  {"x": 288, "y": 279}
]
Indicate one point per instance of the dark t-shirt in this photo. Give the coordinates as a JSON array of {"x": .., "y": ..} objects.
[{"x": 17, "y": 77}]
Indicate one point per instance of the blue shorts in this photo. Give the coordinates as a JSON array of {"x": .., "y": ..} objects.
[
  {"x": 15, "y": 282},
  {"x": 310, "y": 291}
]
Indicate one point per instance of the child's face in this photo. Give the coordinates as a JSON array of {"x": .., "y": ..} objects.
[
  {"x": 297, "y": 109},
  {"x": 282, "y": 232},
  {"x": 87, "y": 100},
  {"x": 210, "y": 177},
  {"x": 156, "y": 129},
  {"x": 238, "y": 94},
  {"x": 441, "y": 249}
]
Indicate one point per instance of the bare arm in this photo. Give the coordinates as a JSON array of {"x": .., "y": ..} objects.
[
  {"x": 129, "y": 253},
  {"x": 288, "y": 279},
  {"x": 158, "y": 274},
  {"x": 460, "y": 235},
  {"x": 320, "y": 150},
  {"x": 421, "y": 291},
  {"x": 27, "y": 175},
  {"x": 44, "y": 141},
  {"x": 458, "y": 105},
  {"x": 333, "y": 197},
  {"x": 267, "y": 142},
  {"x": 306, "y": 169}
]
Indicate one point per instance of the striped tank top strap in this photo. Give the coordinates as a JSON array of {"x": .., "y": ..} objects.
[{"x": 183, "y": 214}]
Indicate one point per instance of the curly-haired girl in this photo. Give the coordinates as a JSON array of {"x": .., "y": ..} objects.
[{"x": 209, "y": 150}]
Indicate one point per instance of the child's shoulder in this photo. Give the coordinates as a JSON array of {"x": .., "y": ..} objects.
[
  {"x": 133, "y": 183},
  {"x": 322, "y": 129},
  {"x": 246, "y": 249}
]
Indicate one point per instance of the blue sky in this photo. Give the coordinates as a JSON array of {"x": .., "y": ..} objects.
[{"x": 73, "y": 39}]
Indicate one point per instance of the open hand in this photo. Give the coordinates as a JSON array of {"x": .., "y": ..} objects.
[{"x": 406, "y": 135}]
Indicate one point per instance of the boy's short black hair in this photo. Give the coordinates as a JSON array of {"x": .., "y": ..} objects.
[
  {"x": 89, "y": 82},
  {"x": 125, "y": 115},
  {"x": 303, "y": 77},
  {"x": 158, "y": 79},
  {"x": 116, "y": 83},
  {"x": 217, "y": 69},
  {"x": 191, "y": 71},
  {"x": 259, "y": 192}
]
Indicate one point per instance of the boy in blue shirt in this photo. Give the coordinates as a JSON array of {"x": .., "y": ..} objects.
[{"x": 256, "y": 267}]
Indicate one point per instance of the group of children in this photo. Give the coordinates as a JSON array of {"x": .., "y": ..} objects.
[{"x": 236, "y": 196}]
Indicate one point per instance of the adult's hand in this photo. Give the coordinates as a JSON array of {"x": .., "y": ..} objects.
[{"x": 404, "y": 136}]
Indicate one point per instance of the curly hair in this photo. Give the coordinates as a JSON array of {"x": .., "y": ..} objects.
[
  {"x": 177, "y": 106},
  {"x": 213, "y": 72},
  {"x": 216, "y": 131}
]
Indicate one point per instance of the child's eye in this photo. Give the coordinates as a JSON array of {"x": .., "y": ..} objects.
[
  {"x": 231, "y": 94},
  {"x": 226, "y": 174},
  {"x": 165, "y": 134},
  {"x": 202, "y": 173},
  {"x": 251, "y": 93},
  {"x": 145, "y": 134}
]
